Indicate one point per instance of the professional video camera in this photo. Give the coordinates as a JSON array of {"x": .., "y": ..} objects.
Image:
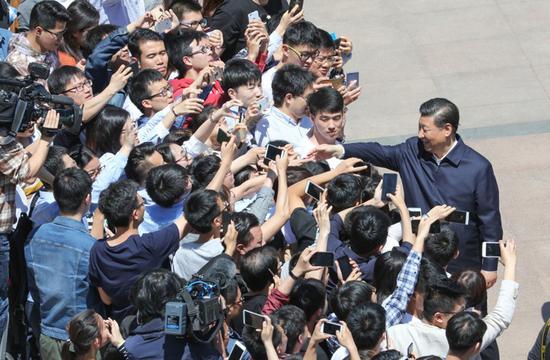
[
  {"x": 196, "y": 312},
  {"x": 24, "y": 101}
]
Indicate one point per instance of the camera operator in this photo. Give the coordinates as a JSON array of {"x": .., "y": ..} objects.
[{"x": 17, "y": 164}]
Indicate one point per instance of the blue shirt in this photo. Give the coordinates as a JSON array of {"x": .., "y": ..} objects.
[
  {"x": 464, "y": 179},
  {"x": 57, "y": 257},
  {"x": 156, "y": 217}
]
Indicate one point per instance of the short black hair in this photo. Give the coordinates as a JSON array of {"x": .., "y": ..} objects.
[
  {"x": 178, "y": 45},
  {"x": 118, "y": 201},
  {"x": 47, "y": 13},
  {"x": 347, "y": 297},
  {"x": 70, "y": 188},
  {"x": 257, "y": 267},
  {"x": 441, "y": 297},
  {"x": 464, "y": 330},
  {"x": 293, "y": 321},
  {"x": 54, "y": 159},
  {"x": 253, "y": 341},
  {"x": 137, "y": 167},
  {"x": 141, "y": 35},
  {"x": 165, "y": 184},
  {"x": 243, "y": 223},
  {"x": 166, "y": 153},
  {"x": 326, "y": 99},
  {"x": 473, "y": 284},
  {"x": 309, "y": 295},
  {"x": 290, "y": 79},
  {"x": 327, "y": 42},
  {"x": 344, "y": 192},
  {"x": 81, "y": 154},
  {"x": 388, "y": 355},
  {"x": 302, "y": 33},
  {"x": 181, "y": 7},
  {"x": 152, "y": 290},
  {"x": 106, "y": 129},
  {"x": 240, "y": 72},
  {"x": 139, "y": 86},
  {"x": 94, "y": 37},
  {"x": 201, "y": 208},
  {"x": 366, "y": 229},
  {"x": 203, "y": 170},
  {"x": 58, "y": 79},
  {"x": 442, "y": 247},
  {"x": 386, "y": 269},
  {"x": 367, "y": 324},
  {"x": 443, "y": 111},
  {"x": 7, "y": 71}
]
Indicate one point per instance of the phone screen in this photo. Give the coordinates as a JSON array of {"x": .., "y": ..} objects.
[
  {"x": 322, "y": 259},
  {"x": 254, "y": 16},
  {"x": 272, "y": 152},
  {"x": 354, "y": 76},
  {"x": 293, "y": 3},
  {"x": 460, "y": 217},
  {"x": 253, "y": 319},
  {"x": 415, "y": 212},
  {"x": 314, "y": 190},
  {"x": 331, "y": 328},
  {"x": 389, "y": 185},
  {"x": 222, "y": 136},
  {"x": 205, "y": 92},
  {"x": 163, "y": 25},
  {"x": 345, "y": 267},
  {"x": 237, "y": 352},
  {"x": 492, "y": 249}
]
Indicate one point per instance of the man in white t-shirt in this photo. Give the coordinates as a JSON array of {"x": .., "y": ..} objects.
[
  {"x": 326, "y": 108},
  {"x": 203, "y": 211}
]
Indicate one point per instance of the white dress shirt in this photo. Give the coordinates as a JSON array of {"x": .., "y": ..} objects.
[{"x": 276, "y": 125}]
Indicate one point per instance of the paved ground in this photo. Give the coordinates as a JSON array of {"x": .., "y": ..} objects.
[{"x": 490, "y": 57}]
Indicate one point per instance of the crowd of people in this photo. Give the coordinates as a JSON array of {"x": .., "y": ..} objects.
[{"x": 183, "y": 199}]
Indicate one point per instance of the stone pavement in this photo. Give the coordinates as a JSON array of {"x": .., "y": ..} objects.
[{"x": 490, "y": 57}]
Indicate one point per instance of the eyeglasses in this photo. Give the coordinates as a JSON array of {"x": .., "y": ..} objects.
[
  {"x": 184, "y": 156},
  {"x": 79, "y": 87},
  {"x": 202, "y": 50},
  {"x": 305, "y": 55},
  {"x": 167, "y": 90},
  {"x": 96, "y": 171},
  {"x": 58, "y": 35},
  {"x": 329, "y": 60},
  {"x": 239, "y": 302},
  {"x": 462, "y": 308},
  {"x": 194, "y": 24}
]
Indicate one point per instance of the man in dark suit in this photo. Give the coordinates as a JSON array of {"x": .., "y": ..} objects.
[{"x": 438, "y": 168}]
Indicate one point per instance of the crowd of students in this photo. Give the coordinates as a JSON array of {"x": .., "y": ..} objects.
[{"x": 169, "y": 179}]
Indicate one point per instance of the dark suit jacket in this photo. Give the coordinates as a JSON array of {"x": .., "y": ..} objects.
[{"x": 464, "y": 179}]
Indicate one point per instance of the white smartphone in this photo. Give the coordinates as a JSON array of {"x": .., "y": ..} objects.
[
  {"x": 263, "y": 104},
  {"x": 314, "y": 190},
  {"x": 490, "y": 250},
  {"x": 330, "y": 328},
  {"x": 237, "y": 352},
  {"x": 253, "y": 319},
  {"x": 254, "y": 15},
  {"x": 415, "y": 212},
  {"x": 459, "y": 217}
]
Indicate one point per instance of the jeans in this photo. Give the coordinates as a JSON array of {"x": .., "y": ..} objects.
[{"x": 4, "y": 274}]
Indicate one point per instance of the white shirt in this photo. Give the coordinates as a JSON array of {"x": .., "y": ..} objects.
[
  {"x": 191, "y": 257},
  {"x": 267, "y": 80},
  {"x": 308, "y": 145},
  {"x": 157, "y": 217},
  {"x": 119, "y": 12},
  {"x": 437, "y": 160},
  {"x": 276, "y": 125}
]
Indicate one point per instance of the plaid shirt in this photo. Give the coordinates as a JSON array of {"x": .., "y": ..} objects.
[
  {"x": 396, "y": 304},
  {"x": 14, "y": 167}
]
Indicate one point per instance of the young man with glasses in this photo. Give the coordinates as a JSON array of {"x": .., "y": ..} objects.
[
  {"x": 301, "y": 43},
  {"x": 47, "y": 25},
  {"x": 150, "y": 92}
]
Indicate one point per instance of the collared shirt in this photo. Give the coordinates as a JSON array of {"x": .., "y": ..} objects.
[
  {"x": 267, "y": 80},
  {"x": 438, "y": 160},
  {"x": 277, "y": 125},
  {"x": 113, "y": 170},
  {"x": 60, "y": 288},
  {"x": 396, "y": 304},
  {"x": 14, "y": 168},
  {"x": 464, "y": 179},
  {"x": 21, "y": 54},
  {"x": 156, "y": 217}
]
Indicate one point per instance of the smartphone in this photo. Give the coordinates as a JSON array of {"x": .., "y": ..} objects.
[
  {"x": 314, "y": 190},
  {"x": 163, "y": 26},
  {"x": 325, "y": 259},
  {"x": 435, "y": 228},
  {"x": 293, "y": 3},
  {"x": 205, "y": 92},
  {"x": 222, "y": 136},
  {"x": 237, "y": 352},
  {"x": 241, "y": 112},
  {"x": 350, "y": 77},
  {"x": 330, "y": 328},
  {"x": 253, "y": 319},
  {"x": 490, "y": 250},
  {"x": 345, "y": 266},
  {"x": 254, "y": 15},
  {"x": 272, "y": 152},
  {"x": 389, "y": 185},
  {"x": 415, "y": 212},
  {"x": 459, "y": 217},
  {"x": 263, "y": 104}
]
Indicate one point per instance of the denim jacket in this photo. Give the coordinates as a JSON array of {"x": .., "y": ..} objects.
[{"x": 57, "y": 256}]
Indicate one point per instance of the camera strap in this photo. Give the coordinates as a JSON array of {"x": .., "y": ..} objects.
[{"x": 544, "y": 340}]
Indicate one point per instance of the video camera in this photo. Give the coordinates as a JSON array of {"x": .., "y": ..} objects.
[
  {"x": 195, "y": 312},
  {"x": 27, "y": 101}
]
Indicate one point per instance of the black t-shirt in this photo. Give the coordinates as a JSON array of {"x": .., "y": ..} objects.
[
  {"x": 116, "y": 268},
  {"x": 304, "y": 227}
]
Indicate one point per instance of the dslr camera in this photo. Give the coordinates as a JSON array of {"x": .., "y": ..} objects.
[{"x": 22, "y": 102}]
